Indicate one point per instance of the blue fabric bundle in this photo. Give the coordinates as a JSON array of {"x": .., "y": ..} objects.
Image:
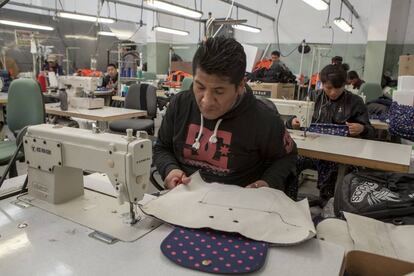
[
  {"x": 331, "y": 129},
  {"x": 401, "y": 120}
]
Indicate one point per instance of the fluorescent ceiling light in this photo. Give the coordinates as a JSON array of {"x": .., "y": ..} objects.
[
  {"x": 85, "y": 37},
  {"x": 320, "y": 5},
  {"x": 247, "y": 28},
  {"x": 25, "y": 25},
  {"x": 82, "y": 17},
  {"x": 106, "y": 33},
  {"x": 343, "y": 25},
  {"x": 174, "y": 8},
  {"x": 170, "y": 31}
]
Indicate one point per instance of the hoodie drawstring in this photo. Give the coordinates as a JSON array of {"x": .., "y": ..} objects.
[{"x": 212, "y": 139}]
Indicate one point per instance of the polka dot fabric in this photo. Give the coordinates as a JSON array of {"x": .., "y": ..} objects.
[
  {"x": 214, "y": 251},
  {"x": 331, "y": 129}
]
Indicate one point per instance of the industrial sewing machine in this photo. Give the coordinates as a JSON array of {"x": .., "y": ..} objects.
[
  {"x": 56, "y": 158},
  {"x": 81, "y": 91},
  {"x": 303, "y": 110}
]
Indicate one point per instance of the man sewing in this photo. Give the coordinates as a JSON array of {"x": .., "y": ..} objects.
[
  {"x": 52, "y": 65},
  {"x": 219, "y": 128},
  {"x": 110, "y": 81},
  {"x": 354, "y": 80},
  {"x": 335, "y": 105}
]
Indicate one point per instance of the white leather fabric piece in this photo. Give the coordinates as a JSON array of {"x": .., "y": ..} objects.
[
  {"x": 370, "y": 235},
  {"x": 262, "y": 214},
  {"x": 381, "y": 238}
]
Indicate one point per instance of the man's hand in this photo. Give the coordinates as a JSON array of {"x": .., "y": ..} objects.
[
  {"x": 174, "y": 178},
  {"x": 295, "y": 123},
  {"x": 355, "y": 129},
  {"x": 258, "y": 184}
]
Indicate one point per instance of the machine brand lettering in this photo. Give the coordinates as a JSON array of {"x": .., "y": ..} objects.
[
  {"x": 143, "y": 160},
  {"x": 42, "y": 150}
]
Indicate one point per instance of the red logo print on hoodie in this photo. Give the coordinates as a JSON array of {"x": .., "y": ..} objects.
[{"x": 212, "y": 156}]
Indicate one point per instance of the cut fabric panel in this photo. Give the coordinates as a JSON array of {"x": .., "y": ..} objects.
[
  {"x": 214, "y": 251},
  {"x": 262, "y": 214}
]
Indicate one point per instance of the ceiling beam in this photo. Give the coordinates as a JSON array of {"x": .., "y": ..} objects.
[
  {"x": 59, "y": 10},
  {"x": 351, "y": 8},
  {"x": 123, "y": 3}
]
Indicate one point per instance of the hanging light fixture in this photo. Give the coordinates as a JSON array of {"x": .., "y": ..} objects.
[
  {"x": 26, "y": 25},
  {"x": 247, "y": 28},
  {"x": 82, "y": 17},
  {"x": 174, "y": 8},
  {"x": 170, "y": 31},
  {"x": 320, "y": 5},
  {"x": 84, "y": 37},
  {"x": 341, "y": 23},
  {"x": 103, "y": 33}
]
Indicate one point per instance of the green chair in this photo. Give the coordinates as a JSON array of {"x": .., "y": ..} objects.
[
  {"x": 186, "y": 84},
  {"x": 25, "y": 107},
  {"x": 372, "y": 91},
  {"x": 149, "y": 76}
]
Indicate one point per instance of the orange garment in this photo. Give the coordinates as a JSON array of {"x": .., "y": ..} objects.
[
  {"x": 176, "y": 77},
  {"x": 89, "y": 73},
  {"x": 314, "y": 78},
  {"x": 264, "y": 63}
]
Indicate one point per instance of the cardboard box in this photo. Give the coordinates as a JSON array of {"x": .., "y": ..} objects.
[
  {"x": 274, "y": 90},
  {"x": 406, "y": 66},
  {"x": 360, "y": 263},
  {"x": 182, "y": 66}
]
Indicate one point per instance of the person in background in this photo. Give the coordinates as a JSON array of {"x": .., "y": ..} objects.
[
  {"x": 336, "y": 60},
  {"x": 110, "y": 81},
  {"x": 277, "y": 64},
  {"x": 205, "y": 130},
  {"x": 52, "y": 65},
  {"x": 334, "y": 105},
  {"x": 354, "y": 80}
]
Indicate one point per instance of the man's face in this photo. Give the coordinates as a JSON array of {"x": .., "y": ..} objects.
[
  {"x": 275, "y": 58},
  {"x": 215, "y": 96},
  {"x": 112, "y": 72},
  {"x": 332, "y": 92},
  {"x": 353, "y": 81},
  {"x": 52, "y": 64}
]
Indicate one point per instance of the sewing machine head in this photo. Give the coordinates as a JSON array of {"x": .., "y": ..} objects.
[
  {"x": 57, "y": 156},
  {"x": 78, "y": 85},
  {"x": 81, "y": 91},
  {"x": 303, "y": 110}
]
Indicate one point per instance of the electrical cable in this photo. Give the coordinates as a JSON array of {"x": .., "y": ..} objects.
[
  {"x": 227, "y": 17},
  {"x": 277, "y": 32},
  {"x": 140, "y": 22}
]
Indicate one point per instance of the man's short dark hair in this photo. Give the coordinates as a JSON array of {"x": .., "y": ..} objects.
[
  {"x": 222, "y": 57},
  {"x": 276, "y": 53},
  {"x": 111, "y": 65},
  {"x": 337, "y": 60},
  {"x": 352, "y": 75},
  {"x": 334, "y": 74}
]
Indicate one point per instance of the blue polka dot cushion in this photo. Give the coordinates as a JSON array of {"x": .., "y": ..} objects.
[{"x": 214, "y": 251}]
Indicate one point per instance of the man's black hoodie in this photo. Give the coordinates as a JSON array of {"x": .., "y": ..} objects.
[{"x": 247, "y": 144}]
